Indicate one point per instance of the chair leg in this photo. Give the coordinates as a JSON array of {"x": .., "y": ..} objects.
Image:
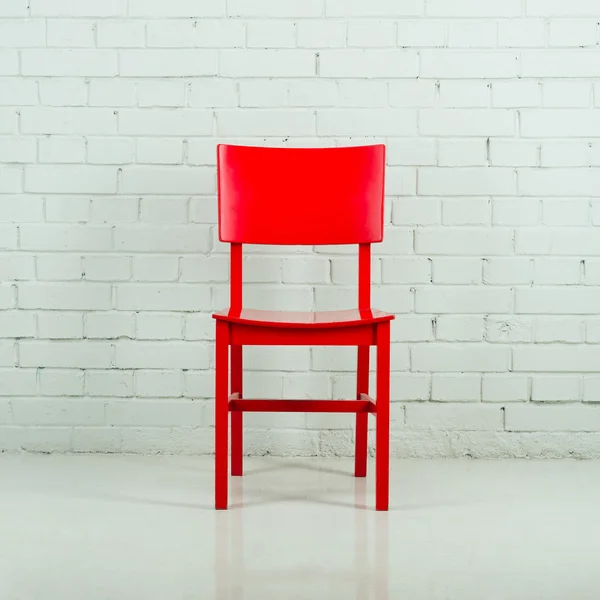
[
  {"x": 362, "y": 419},
  {"x": 237, "y": 444},
  {"x": 382, "y": 435},
  {"x": 221, "y": 414}
]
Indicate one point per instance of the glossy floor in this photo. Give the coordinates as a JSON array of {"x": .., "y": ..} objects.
[{"x": 127, "y": 527}]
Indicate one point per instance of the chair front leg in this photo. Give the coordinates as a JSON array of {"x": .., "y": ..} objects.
[
  {"x": 221, "y": 414},
  {"x": 237, "y": 444},
  {"x": 362, "y": 419},
  {"x": 382, "y": 434}
]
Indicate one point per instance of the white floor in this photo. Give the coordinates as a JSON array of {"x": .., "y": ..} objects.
[{"x": 130, "y": 527}]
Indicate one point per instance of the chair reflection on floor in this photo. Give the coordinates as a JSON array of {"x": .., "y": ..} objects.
[{"x": 369, "y": 574}]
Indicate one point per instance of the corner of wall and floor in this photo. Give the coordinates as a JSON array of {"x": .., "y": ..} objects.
[{"x": 110, "y": 264}]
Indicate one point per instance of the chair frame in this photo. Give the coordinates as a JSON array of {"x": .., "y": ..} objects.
[{"x": 371, "y": 328}]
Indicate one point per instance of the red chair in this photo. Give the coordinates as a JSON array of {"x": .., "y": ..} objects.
[{"x": 302, "y": 196}]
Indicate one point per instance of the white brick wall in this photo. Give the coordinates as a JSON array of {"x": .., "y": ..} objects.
[{"x": 110, "y": 111}]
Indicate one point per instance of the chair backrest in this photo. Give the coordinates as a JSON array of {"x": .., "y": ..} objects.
[{"x": 301, "y": 196}]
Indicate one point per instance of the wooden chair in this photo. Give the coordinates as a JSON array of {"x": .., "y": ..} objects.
[{"x": 301, "y": 196}]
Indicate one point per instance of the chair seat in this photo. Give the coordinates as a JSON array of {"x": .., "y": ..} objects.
[{"x": 319, "y": 319}]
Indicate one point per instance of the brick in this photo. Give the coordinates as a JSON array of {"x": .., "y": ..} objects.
[
  {"x": 557, "y": 300},
  {"x": 472, "y": 34},
  {"x": 552, "y": 418},
  {"x": 67, "y": 382},
  {"x": 176, "y": 180},
  {"x": 459, "y": 328},
  {"x": 62, "y": 92},
  {"x": 456, "y": 388},
  {"x": 259, "y": 92},
  {"x": 168, "y": 63},
  {"x": 61, "y": 267},
  {"x": 65, "y": 354},
  {"x": 68, "y": 121},
  {"x": 411, "y": 93},
  {"x": 65, "y": 296},
  {"x": 466, "y": 122},
  {"x": 69, "y": 63},
  {"x": 18, "y": 382},
  {"x": 466, "y": 181},
  {"x": 121, "y": 34},
  {"x": 565, "y": 271},
  {"x": 591, "y": 389},
  {"x": 112, "y": 92},
  {"x": 406, "y": 270},
  {"x": 504, "y": 387},
  {"x": 61, "y": 150},
  {"x": 557, "y": 63},
  {"x": 368, "y": 64},
  {"x": 65, "y": 237},
  {"x": 365, "y": 34},
  {"x": 421, "y": 33},
  {"x": 199, "y": 327},
  {"x": 149, "y": 238},
  {"x": 366, "y": 122},
  {"x": 412, "y": 328},
  {"x": 21, "y": 92},
  {"x": 365, "y": 93},
  {"x": 265, "y": 122},
  {"x": 456, "y": 270},
  {"x": 154, "y": 412},
  {"x": 60, "y": 325},
  {"x": 507, "y": 271},
  {"x": 567, "y": 94},
  {"x": 519, "y": 93},
  {"x": 176, "y": 8},
  {"x": 107, "y": 268},
  {"x": 159, "y": 384},
  {"x": 576, "y": 34},
  {"x": 270, "y": 34},
  {"x": 468, "y": 64},
  {"x": 471, "y": 241},
  {"x": 508, "y": 153},
  {"x": 7, "y": 293},
  {"x": 463, "y": 300},
  {"x": 17, "y": 324},
  {"x": 68, "y": 209},
  {"x": 8, "y": 121},
  {"x": 559, "y": 358},
  {"x": 109, "y": 383},
  {"x": 377, "y": 8},
  {"x": 7, "y": 353},
  {"x": 560, "y": 123},
  {"x": 459, "y": 357},
  {"x": 521, "y": 33},
  {"x": 315, "y": 93},
  {"x": 66, "y": 33},
  {"x": 508, "y": 329},
  {"x": 33, "y": 411},
  {"x": 23, "y": 33},
  {"x": 559, "y": 182},
  {"x": 110, "y": 151},
  {"x": 266, "y": 63},
  {"x": 111, "y": 210},
  {"x": 567, "y": 153},
  {"x": 162, "y": 355},
  {"x": 205, "y": 269},
  {"x": 70, "y": 179},
  {"x": 453, "y": 417},
  {"x": 272, "y": 8},
  {"x": 462, "y": 153},
  {"x": 9, "y": 62},
  {"x": 214, "y": 93},
  {"x": 109, "y": 325},
  {"x": 159, "y": 121},
  {"x": 159, "y": 326},
  {"x": 20, "y": 209},
  {"x": 467, "y": 211},
  {"x": 520, "y": 211},
  {"x": 320, "y": 33},
  {"x": 16, "y": 267},
  {"x": 416, "y": 211},
  {"x": 14, "y": 8},
  {"x": 557, "y": 8},
  {"x": 559, "y": 329},
  {"x": 305, "y": 270},
  {"x": 11, "y": 178},
  {"x": 163, "y": 151},
  {"x": 182, "y": 297},
  {"x": 79, "y": 8}
]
